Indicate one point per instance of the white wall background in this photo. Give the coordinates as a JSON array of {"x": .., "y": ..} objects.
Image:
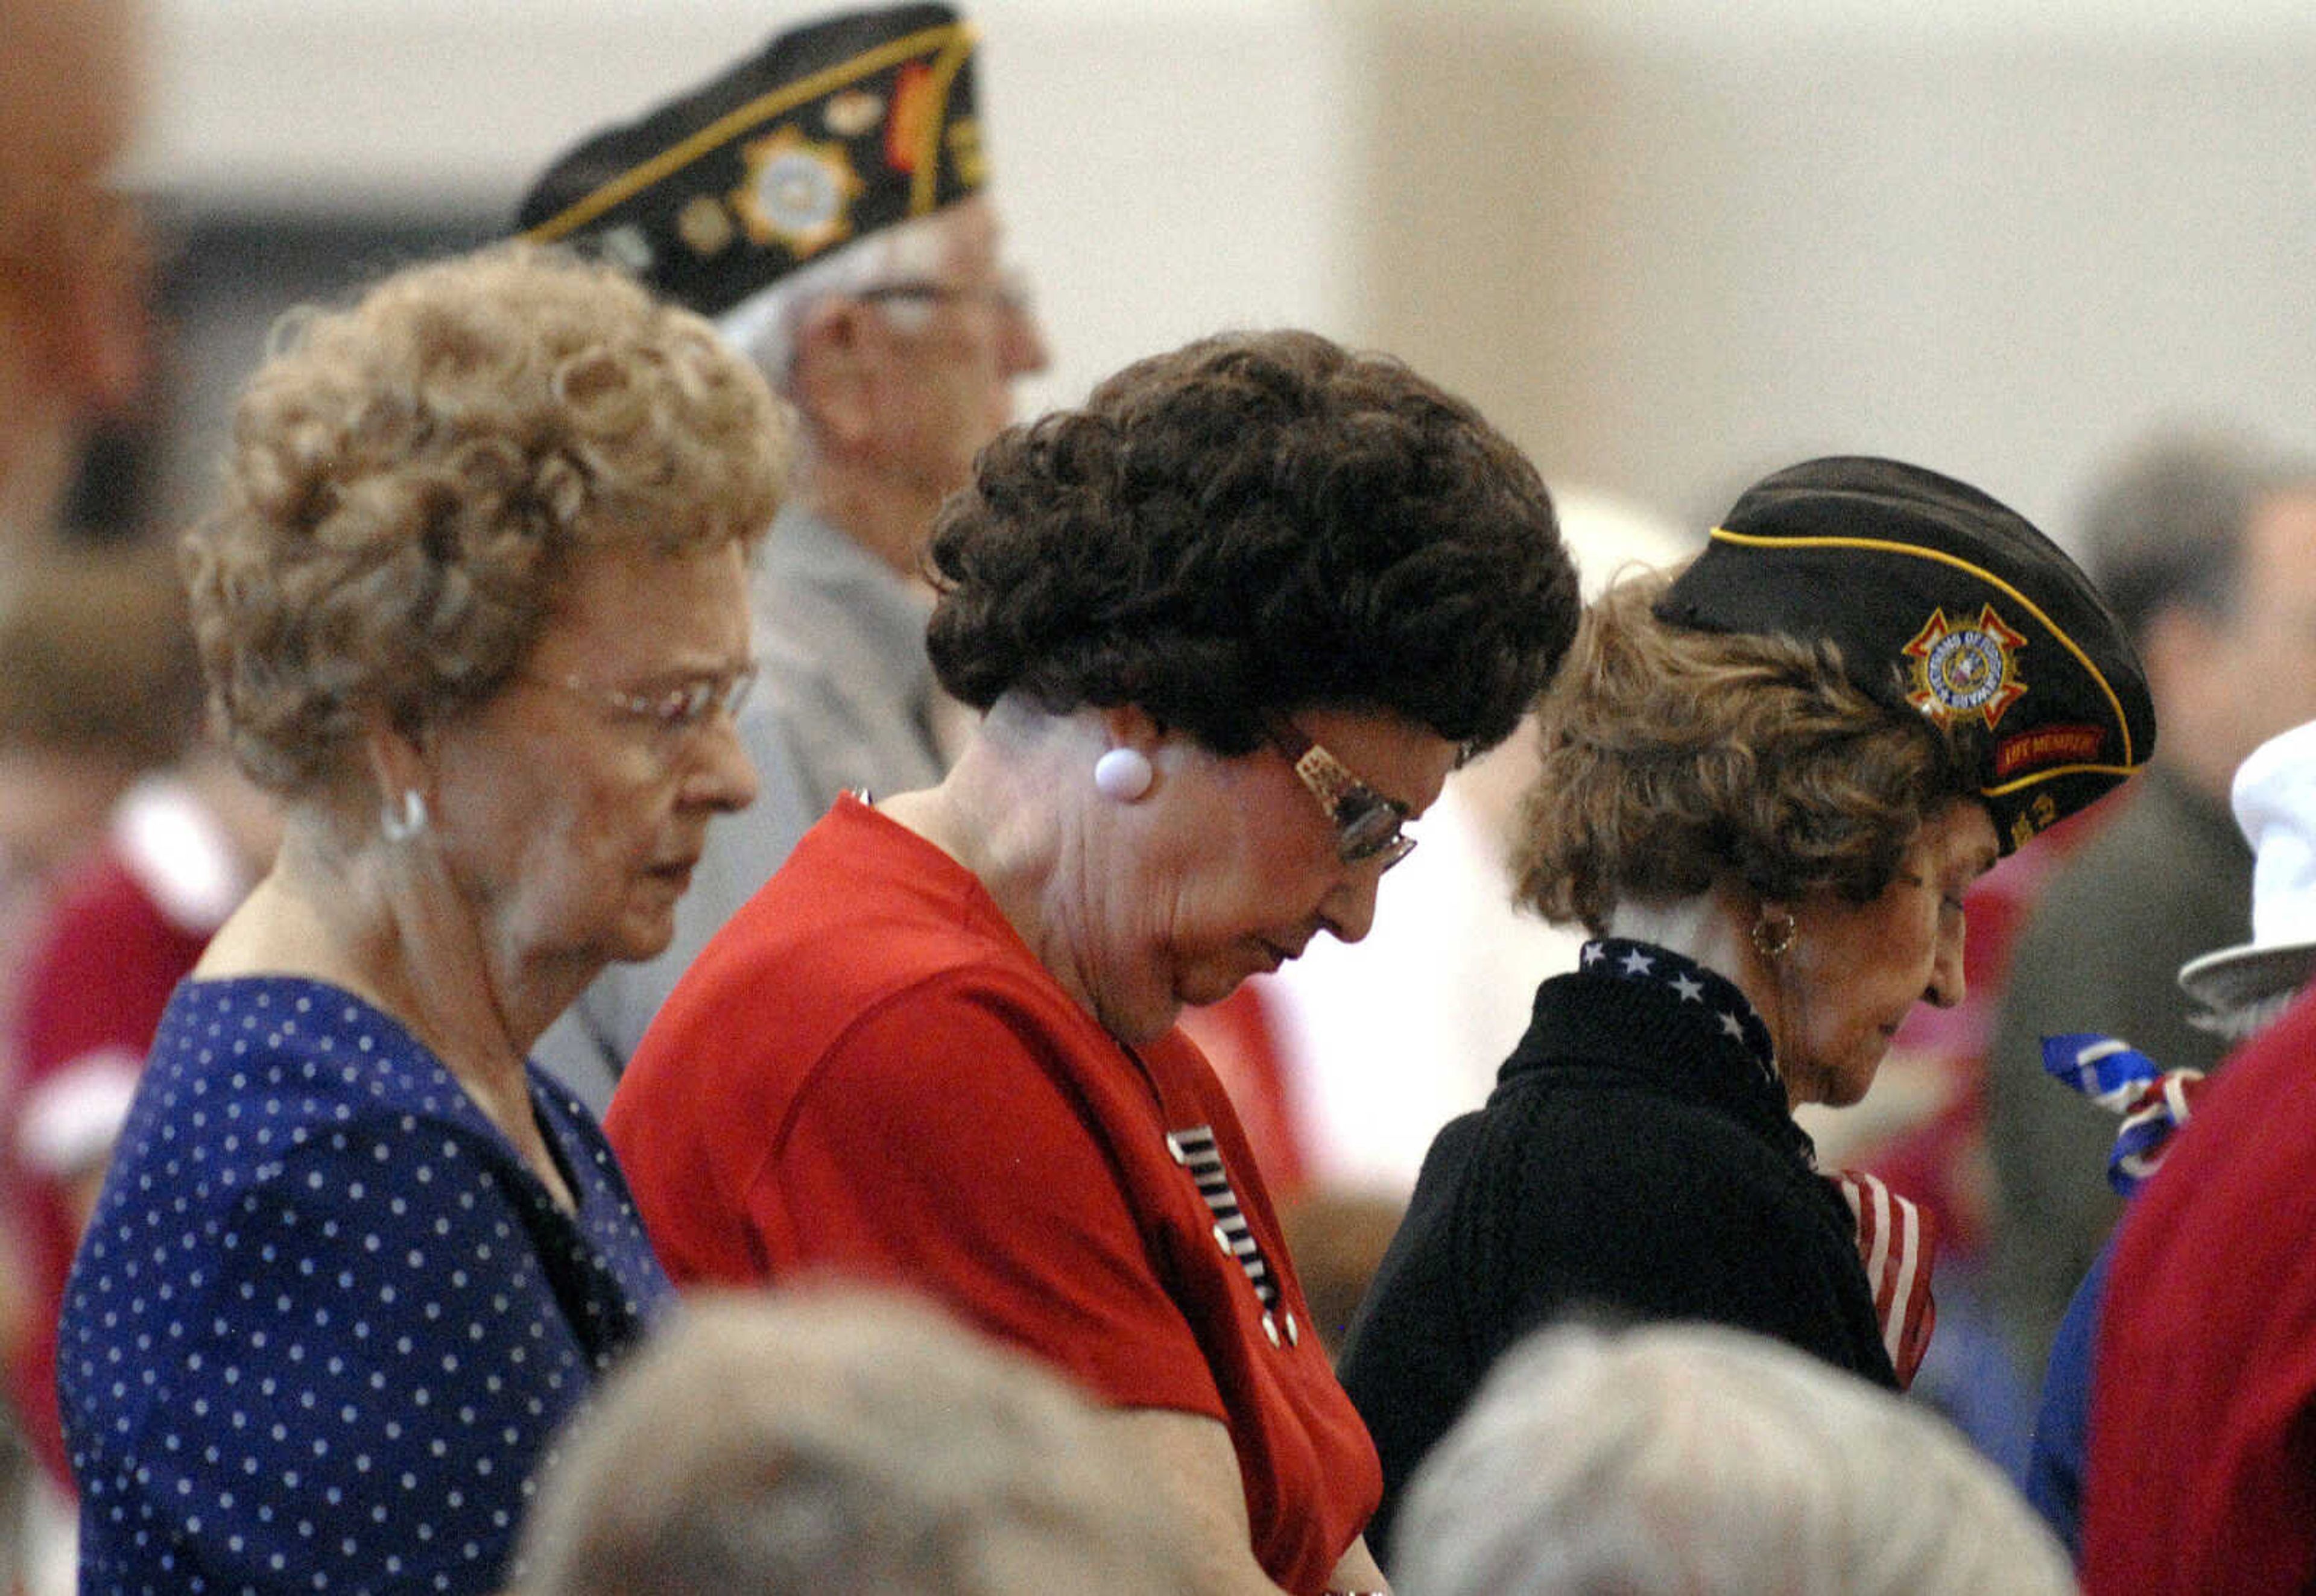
[
  {"x": 1991, "y": 248},
  {"x": 1166, "y": 167},
  {"x": 1664, "y": 249}
]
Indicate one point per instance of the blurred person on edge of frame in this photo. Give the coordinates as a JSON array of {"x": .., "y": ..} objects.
[
  {"x": 74, "y": 339},
  {"x": 2206, "y": 546}
]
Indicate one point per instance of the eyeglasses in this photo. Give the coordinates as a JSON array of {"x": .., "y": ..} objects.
[
  {"x": 674, "y": 711},
  {"x": 1008, "y": 293},
  {"x": 1367, "y": 825}
]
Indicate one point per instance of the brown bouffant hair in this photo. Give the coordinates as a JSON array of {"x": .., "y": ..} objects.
[
  {"x": 1252, "y": 525},
  {"x": 411, "y": 479},
  {"x": 1672, "y": 759}
]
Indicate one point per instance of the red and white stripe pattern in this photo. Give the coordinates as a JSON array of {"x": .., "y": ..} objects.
[
  {"x": 1898, "y": 1243},
  {"x": 2160, "y": 1108}
]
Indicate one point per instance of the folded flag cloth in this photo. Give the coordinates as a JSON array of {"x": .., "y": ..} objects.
[
  {"x": 1897, "y": 1241},
  {"x": 2153, "y": 1101}
]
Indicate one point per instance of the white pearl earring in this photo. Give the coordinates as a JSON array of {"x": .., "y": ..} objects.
[{"x": 1122, "y": 775}]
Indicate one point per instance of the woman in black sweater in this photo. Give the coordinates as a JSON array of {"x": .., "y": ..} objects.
[{"x": 1766, "y": 785}]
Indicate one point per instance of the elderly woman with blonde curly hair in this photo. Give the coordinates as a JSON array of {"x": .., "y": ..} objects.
[
  {"x": 1766, "y": 785},
  {"x": 474, "y": 607}
]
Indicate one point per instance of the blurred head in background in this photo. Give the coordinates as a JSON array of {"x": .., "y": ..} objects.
[
  {"x": 72, "y": 259},
  {"x": 2207, "y": 548}
]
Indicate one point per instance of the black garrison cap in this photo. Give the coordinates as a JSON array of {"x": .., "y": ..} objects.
[
  {"x": 1943, "y": 603},
  {"x": 831, "y": 131}
]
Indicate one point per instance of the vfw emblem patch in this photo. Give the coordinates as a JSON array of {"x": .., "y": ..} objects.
[
  {"x": 1965, "y": 672},
  {"x": 796, "y": 193}
]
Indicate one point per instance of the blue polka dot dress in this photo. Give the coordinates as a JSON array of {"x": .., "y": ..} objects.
[{"x": 325, "y": 1321}]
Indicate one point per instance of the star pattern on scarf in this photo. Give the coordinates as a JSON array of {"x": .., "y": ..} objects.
[{"x": 1688, "y": 982}]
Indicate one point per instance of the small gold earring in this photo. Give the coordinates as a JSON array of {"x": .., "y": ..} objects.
[{"x": 1773, "y": 933}]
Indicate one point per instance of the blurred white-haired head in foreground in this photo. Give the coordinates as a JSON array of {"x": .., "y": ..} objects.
[
  {"x": 1698, "y": 1460},
  {"x": 833, "y": 1442}
]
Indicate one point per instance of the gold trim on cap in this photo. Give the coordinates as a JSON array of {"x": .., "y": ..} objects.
[
  {"x": 2121, "y": 722},
  {"x": 951, "y": 39},
  {"x": 944, "y": 70},
  {"x": 2004, "y": 789}
]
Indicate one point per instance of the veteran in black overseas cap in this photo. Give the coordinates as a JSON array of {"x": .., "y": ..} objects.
[
  {"x": 1766, "y": 782},
  {"x": 830, "y": 132},
  {"x": 825, "y": 202}
]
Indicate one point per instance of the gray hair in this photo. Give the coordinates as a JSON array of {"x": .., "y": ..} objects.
[
  {"x": 1701, "y": 1459},
  {"x": 837, "y": 1442},
  {"x": 765, "y": 327}
]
